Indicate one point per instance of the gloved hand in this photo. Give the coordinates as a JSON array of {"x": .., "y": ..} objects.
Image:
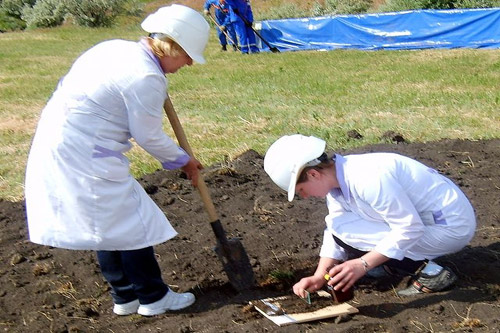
[
  {"x": 223, "y": 28},
  {"x": 206, "y": 12}
]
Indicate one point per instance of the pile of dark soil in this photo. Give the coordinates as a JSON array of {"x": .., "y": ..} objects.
[{"x": 45, "y": 289}]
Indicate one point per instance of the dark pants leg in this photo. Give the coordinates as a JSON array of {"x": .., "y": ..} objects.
[
  {"x": 132, "y": 275},
  {"x": 222, "y": 37},
  {"x": 406, "y": 265}
]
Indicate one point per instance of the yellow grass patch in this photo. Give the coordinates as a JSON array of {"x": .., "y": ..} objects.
[{"x": 17, "y": 124}]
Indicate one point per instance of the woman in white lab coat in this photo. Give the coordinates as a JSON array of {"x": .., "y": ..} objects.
[
  {"x": 384, "y": 210},
  {"x": 79, "y": 191}
]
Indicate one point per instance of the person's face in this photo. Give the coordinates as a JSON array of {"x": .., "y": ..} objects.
[
  {"x": 173, "y": 64},
  {"x": 315, "y": 186}
]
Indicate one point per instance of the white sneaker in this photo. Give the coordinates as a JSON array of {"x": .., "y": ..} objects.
[
  {"x": 171, "y": 301},
  {"x": 126, "y": 308}
]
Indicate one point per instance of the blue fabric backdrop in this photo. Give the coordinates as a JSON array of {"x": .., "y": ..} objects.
[{"x": 416, "y": 29}]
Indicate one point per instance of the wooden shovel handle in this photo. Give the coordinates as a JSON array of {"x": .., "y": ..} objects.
[{"x": 181, "y": 138}]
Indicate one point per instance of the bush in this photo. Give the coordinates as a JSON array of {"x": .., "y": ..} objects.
[
  {"x": 44, "y": 14},
  {"x": 399, "y": 5},
  {"x": 95, "y": 13},
  {"x": 438, "y": 4},
  {"x": 284, "y": 11},
  {"x": 133, "y": 7},
  {"x": 10, "y": 23},
  {"x": 348, "y": 6},
  {"x": 14, "y": 8},
  {"x": 317, "y": 10},
  {"x": 477, "y": 3}
]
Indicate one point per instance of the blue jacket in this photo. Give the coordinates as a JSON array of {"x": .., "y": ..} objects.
[
  {"x": 221, "y": 11},
  {"x": 240, "y": 10}
]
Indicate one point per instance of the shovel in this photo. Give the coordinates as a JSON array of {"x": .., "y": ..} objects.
[
  {"x": 223, "y": 31},
  {"x": 249, "y": 24},
  {"x": 230, "y": 251}
]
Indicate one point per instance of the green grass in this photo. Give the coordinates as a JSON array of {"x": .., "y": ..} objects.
[
  {"x": 282, "y": 275},
  {"x": 236, "y": 102}
]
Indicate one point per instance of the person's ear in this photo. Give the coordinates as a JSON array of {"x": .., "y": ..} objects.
[{"x": 313, "y": 174}]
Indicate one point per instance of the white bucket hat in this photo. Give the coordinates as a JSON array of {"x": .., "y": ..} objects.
[
  {"x": 286, "y": 158},
  {"x": 182, "y": 24}
]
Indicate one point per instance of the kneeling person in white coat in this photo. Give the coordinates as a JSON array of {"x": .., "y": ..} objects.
[
  {"x": 384, "y": 210},
  {"x": 79, "y": 191}
]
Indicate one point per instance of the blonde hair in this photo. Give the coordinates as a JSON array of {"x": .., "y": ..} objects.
[{"x": 165, "y": 46}]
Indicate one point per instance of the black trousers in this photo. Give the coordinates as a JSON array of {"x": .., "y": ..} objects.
[
  {"x": 406, "y": 265},
  {"x": 132, "y": 275}
]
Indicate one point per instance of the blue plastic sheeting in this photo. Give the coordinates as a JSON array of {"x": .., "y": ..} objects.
[{"x": 417, "y": 29}]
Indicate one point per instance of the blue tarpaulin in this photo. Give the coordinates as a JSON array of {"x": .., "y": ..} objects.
[{"x": 415, "y": 29}]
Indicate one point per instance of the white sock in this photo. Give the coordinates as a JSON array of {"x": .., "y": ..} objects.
[{"x": 432, "y": 268}]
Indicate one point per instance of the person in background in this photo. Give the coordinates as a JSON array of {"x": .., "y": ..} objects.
[
  {"x": 385, "y": 210},
  {"x": 225, "y": 26},
  {"x": 241, "y": 15},
  {"x": 79, "y": 192}
]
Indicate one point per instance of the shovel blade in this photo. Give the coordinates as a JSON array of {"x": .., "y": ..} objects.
[{"x": 236, "y": 264}]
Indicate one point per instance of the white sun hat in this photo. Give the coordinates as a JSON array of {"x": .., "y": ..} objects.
[
  {"x": 182, "y": 24},
  {"x": 286, "y": 158}
]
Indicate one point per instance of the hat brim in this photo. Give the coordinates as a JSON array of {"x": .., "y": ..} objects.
[
  {"x": 198, "y": 58},
  {"x": 294, "y": 176}
]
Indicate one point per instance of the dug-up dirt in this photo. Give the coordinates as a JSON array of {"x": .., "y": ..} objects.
[{"x": 45, "y": 289}]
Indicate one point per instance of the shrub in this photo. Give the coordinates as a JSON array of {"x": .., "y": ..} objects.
[
  {"x": 399, "y": 5},
  {"x": 44, "y": 14},
  {"x": 317, "y": 10},
  {"x": 95, "y": 13},
  {"x": 284, "y": 11},
  {"x": 348, "y": 6},
  {"x": 133, "y": 7},
  {"x": 10, "y": 23},
  {"x": 14, "y": 8},
  {"x": 477, "y": 3},
  {"x": 438, "y": 4}
]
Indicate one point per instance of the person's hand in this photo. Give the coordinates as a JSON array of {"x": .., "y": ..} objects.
[
  {"x": 310, "y": 284},
  {"x": 343, "y": 276},
  {"x": 223, "y": 28},
  {"x": 206, "y": 12},
  {"x": 192, "y": 170}
]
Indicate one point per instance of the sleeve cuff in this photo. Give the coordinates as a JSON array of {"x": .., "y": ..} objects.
[{"x": 179, "y": 162}]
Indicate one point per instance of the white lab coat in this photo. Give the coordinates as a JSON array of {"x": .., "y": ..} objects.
[
  {"x": 79, "y": 192},
  {"x": 396, "y": 206}
]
